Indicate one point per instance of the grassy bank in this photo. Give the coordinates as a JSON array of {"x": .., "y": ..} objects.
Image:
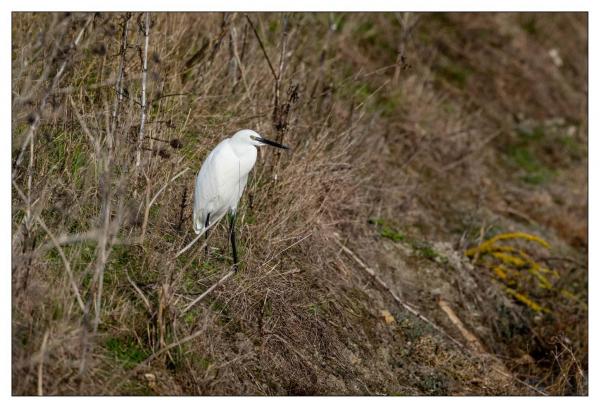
[{"x": 426, "y": 235}]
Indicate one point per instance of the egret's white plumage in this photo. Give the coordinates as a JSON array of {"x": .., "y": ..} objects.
[{"x": 223, "y": 177}]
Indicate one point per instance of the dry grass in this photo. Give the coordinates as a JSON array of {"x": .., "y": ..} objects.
[{"x": 414, "y": 138}]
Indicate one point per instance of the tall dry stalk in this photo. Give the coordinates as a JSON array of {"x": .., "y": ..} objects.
[
  {"x": 146, "y": 33},
  {"x": 120, "y": 75}
]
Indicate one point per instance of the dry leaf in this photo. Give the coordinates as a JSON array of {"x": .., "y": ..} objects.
[{"x": 387, "y": 316}]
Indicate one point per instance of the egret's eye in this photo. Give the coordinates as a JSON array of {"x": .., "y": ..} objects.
[{"x": 252, "y": 137}]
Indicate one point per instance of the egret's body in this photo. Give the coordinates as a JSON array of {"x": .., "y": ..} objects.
[
  {"x": 221, "y": 182},
  {"x": 222, "y": 179}
]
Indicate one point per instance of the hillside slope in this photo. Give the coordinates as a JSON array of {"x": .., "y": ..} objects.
[{"x": 426, "y": 234}]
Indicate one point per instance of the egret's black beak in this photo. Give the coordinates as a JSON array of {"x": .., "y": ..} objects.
[{"x": 270, "y": 142}]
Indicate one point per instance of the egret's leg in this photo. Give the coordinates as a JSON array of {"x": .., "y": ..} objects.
[
  {"x": 232, "y": 237},
  {"x": 206, "y": 234}
]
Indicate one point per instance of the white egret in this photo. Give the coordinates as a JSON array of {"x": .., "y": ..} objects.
[{"x": 222, "y": 179}]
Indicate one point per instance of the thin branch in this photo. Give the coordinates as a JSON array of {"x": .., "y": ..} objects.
[
  {"x": 28, "y": 219},
  {"x": 188, "y": 246},
  {"x": 278, "y": 121},
  {"x": 65, "y": 262},
  {"x": 93, "y": 141},
  {"x": 470, "y": 153},
  {"x": 102, "y": 258},
  {"x": 262, "y": 47},
  {"x": 208, "y": 291},
  {"x": 283, "y": 46},
  {"x": 139, "y": 292},
  {"x": 144, "y": 81},
  {"x": 119, "y": 84},
  {"x": 567, "y": 259},
  {"x": 240, "y": 66},
  {"x": 66, "y": 239},
  {"x": 40, "y": 378},
  {"x": 147, "y": 211},
  {"x": 175, "y": 177},
  {"x": 472, "y": 341}
]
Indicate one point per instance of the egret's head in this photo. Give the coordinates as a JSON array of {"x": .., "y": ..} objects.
[{"x": 251, "y": 137}]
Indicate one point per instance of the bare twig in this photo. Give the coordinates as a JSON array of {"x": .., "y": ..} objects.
[
  {"x": 408, "y": 22},
  {"x": 472, "y": 341},
  {"x": 144, "y": 80},
  {"x": 147, "y": 211},
  {"x": 102, "y": 255},
  {"x": 262, "y": 47},
  {"x": 36, "y": 209},
  {"x": 28, "y": 219},
  {"x": 139, "y": 292},
  {"x": 175, "y": 177},
  {"x": 240, "y": 66},
  {"x": 40, "y": 378},
  {"x": 93, "y": 141},
  {"x": 208, "y": 291},
  {"x": 65, "y": 262},
  {"x": 121, "y": 72},
  {"x": 105, "y": 238},
  {"x": 276, "y": 107},
  {"x": 67, "y": 239},
  {"x": 188, "y": 246},
  {"x": 567, "y": 259},
  {"x": 182, "y": 208},
  {"x": 284, "y": 37}
]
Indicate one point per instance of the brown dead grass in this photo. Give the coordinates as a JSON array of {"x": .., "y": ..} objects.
[{"x": 440, "y": 129}]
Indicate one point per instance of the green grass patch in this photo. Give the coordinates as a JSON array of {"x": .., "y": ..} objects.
[
  {"x": 528, "y": 151},
  {"x": 126, "y": 351},
  {"x": 421, "y": 248},
  {"x": 191, "y": 316},
  {"x": 222, "y": 309},
  {"x": 387, "y": 231},
  {"x": 339, "y": 21},
  {"x": 454, "y": 73},
  {"x": 434, "y": 385},
  {"x": 576, "y": 151},
  {"x": 536, "y": 172},
  {"x": 534, "y": 134},
  {"x": 424, "y": 249},
  {"x": 529, "y": 25}
]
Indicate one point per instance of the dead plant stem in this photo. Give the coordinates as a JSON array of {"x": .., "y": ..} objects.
[{"x": 144, "y": 83}]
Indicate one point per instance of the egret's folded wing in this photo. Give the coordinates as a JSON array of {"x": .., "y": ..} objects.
[
  {"x": 204, "y": 194},
  {"x": 213, "y": 186}
]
